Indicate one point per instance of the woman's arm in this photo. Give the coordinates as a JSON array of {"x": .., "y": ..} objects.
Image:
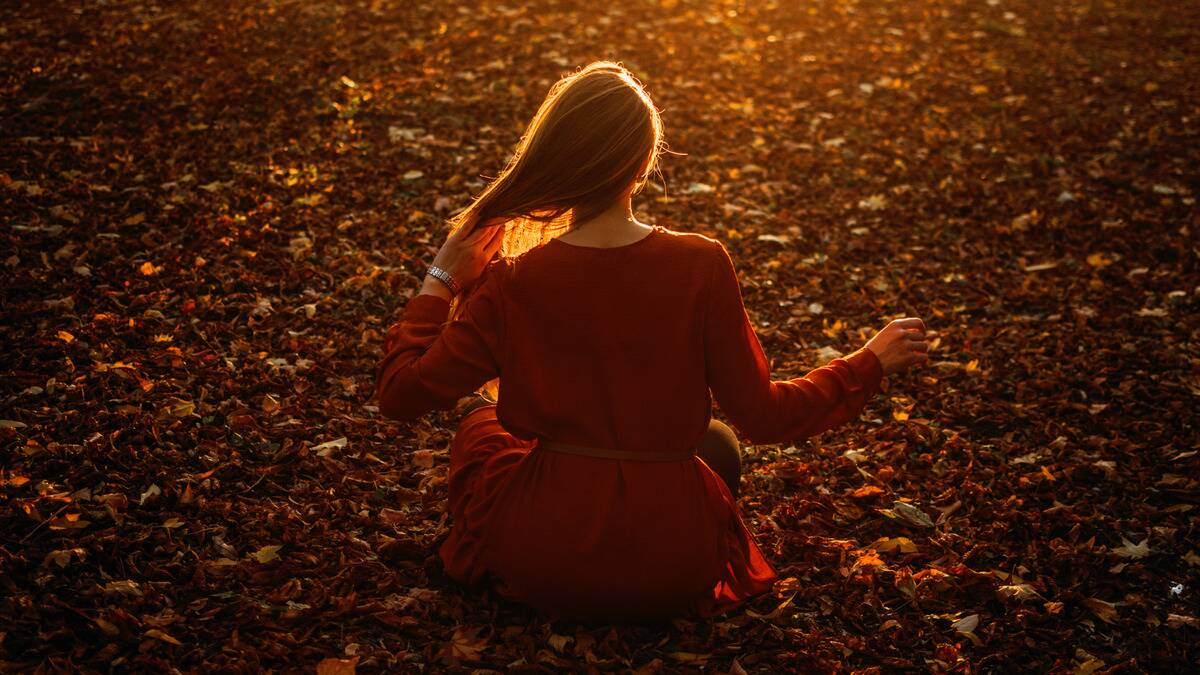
[
  {"x": 769, "y": 411},
  {"x": 429, "y": 364}
]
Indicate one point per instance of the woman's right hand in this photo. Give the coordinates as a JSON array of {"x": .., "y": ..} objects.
[{"x": 900, "y": 345}]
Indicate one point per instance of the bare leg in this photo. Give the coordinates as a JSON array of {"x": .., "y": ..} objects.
[{"x": 718, "y": 447}]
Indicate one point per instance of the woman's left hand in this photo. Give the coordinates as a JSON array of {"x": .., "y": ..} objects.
[{"x": 463, "y": 257}]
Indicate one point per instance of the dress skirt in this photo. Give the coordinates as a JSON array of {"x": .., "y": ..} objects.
[{"x": 587, "y": 537}]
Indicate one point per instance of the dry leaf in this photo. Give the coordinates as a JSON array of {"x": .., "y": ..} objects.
[
  {"x": 267, "y": 553},
  {"x": 334, "y": 666}
]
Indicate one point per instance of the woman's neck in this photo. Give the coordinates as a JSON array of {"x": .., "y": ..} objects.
[{"x": 615, "y": 226}]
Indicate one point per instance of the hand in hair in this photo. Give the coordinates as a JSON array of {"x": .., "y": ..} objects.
[
  {"x": 900, "y": 345},
  {"x": 464, "y": 256}
]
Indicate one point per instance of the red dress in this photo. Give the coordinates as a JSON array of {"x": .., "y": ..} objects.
[{"x": 611, "y": 348}]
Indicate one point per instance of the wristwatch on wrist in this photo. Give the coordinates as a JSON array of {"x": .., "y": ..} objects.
[{"x": 444, "y": 277}]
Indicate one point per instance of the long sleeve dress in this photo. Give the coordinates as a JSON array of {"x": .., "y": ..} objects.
[{"x": 611, "y": 348}]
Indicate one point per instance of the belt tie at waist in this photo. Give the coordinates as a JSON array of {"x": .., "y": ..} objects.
[{"x": 611, "y": 453}]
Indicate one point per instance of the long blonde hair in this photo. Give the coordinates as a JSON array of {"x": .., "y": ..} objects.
[{"x": 596, "y": 134}]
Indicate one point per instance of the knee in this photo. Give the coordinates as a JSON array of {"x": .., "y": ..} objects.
[
  {"x": 721, "y": 441},
  {"x": 718, "y": 447}
]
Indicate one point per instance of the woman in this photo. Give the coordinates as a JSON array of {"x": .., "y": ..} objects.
[{"x": 599, "y": 486}]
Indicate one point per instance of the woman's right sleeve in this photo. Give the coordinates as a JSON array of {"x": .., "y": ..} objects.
[{"x": 739, "y": 376}]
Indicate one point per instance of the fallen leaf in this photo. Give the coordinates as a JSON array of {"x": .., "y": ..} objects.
[
  {"x": 1018, "y": 592},
  {"x": 867, "y": 491},
  {"x": 150, "y": 493},
  {"x": 335, "y": 666},
  {"x": 326, "y": 449},
  {"x": 159, "y": 635},
  {"x": 1181, "y": 620},
  {"x": 911, "y": 514},
  {"x": 1105, "y": 610},
  {"x": 967, "y": 624},
  {"x": 267, "y": 553},
  {"x": 465, "y": 644},
  {"x": 125, "y": 587},
  {"x": 890, "y": 544},
  {"x": 1130, "y": 550}
]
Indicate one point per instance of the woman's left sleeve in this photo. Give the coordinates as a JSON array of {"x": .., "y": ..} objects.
[{"x": 430, "y": 364}]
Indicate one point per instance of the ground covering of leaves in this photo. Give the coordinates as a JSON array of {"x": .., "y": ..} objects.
[{"x": 212, "y": 211}]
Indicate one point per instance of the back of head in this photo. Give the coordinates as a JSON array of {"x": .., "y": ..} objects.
[{"x": 596, "y": 136}]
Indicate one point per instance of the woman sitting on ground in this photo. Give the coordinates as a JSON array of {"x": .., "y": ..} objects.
[{"x": 599, "y": 485}]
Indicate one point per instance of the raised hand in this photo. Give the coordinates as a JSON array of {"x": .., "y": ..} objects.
[
  {"x": 900, "y": 345},
  {"x": 468, "y": 250}
]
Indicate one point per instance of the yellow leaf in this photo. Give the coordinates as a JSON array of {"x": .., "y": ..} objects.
[
  {"x": 66, "y": 337},
  {"x": 972, "y": 366},
  {"x": 149, "y": 269},
  {"x": 1018, "y": 592},
  {"x": 125, "y": 587},
  {"x": 887, "y": 545},
  {"x": 267, "y": 553},
  {"x": 159, "y": 635}
]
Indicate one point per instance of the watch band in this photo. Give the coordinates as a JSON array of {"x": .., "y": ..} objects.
[{"x": 444, "y": 277}]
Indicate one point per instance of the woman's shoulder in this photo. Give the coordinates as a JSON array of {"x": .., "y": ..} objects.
[
  {"x": 686, "y": 239},
  {"x": 699, "y": 252}
]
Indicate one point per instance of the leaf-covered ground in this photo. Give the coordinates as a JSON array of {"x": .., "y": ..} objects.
[{"x": 211, "y": 212}]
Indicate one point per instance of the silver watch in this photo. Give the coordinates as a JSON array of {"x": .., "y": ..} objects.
[{"x": 444, "y": 277}]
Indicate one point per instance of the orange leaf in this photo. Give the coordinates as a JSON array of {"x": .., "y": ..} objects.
[{"x": 332, "y": 666}]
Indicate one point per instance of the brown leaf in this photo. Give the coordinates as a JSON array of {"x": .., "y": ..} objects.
[
  {"x": 1105, "y": 610},
  {"x": 465, "y": 644}
]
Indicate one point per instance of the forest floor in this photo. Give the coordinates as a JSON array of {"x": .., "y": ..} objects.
[{"x": 213, "y": 210}]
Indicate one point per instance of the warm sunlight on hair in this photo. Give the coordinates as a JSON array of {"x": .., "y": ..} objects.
[{"x": 597, "y": 133}]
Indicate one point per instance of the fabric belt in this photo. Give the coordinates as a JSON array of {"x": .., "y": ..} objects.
[{"x": 611, "y": 453}]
